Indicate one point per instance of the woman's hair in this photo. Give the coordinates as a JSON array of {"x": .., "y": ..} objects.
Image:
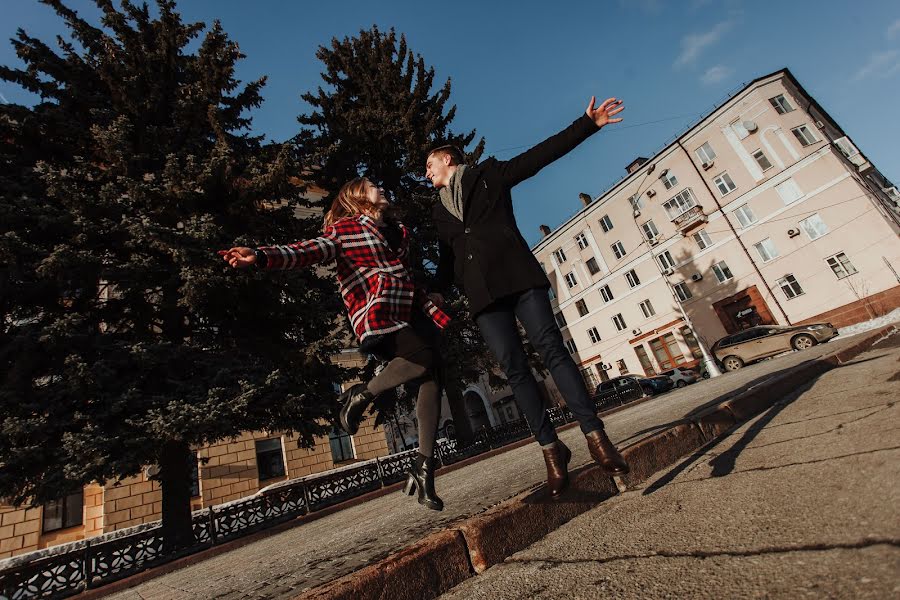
[{"x": 351, "y": 200}]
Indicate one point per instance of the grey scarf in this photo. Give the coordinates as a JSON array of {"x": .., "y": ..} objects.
[{"x": 451, "y": 194}]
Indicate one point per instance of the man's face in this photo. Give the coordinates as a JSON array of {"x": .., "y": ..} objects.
[{"x": 438, "y": 169}]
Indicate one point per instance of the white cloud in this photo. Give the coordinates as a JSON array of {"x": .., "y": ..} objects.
[
  {"x": 881, "y": 65},
  {"x": 893, "y": 30},
  {"x": 715, "y": 74},
  {"x": 694, "y": 43}
]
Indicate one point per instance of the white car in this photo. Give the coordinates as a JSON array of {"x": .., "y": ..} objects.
[{"x": 680, "y": 377}]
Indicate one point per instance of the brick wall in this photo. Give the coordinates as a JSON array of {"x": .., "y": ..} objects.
[
  {"x": 135, "y": 500},
  {"x": 20, "y": 530},
  {"x": 869, "y": 308}
]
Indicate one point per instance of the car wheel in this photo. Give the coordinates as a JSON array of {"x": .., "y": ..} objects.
[
  {"x": 681, "y": 383},
  {"x": 732, "y": 363},
  {"x": 803, "y": 342}
]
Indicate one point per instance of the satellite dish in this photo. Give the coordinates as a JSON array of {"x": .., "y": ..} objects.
[{"x": 750, "y": 126}]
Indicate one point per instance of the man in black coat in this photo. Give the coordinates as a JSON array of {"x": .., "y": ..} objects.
[{"x": 485, "y": 255}]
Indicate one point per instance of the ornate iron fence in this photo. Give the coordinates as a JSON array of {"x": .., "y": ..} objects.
[{"x": 68, "y": 569}]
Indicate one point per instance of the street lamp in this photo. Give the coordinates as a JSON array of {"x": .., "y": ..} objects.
[{"x": 711, "y": 367}]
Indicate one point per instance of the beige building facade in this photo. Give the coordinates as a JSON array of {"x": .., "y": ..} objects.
[{"x": 764, "y": 212}]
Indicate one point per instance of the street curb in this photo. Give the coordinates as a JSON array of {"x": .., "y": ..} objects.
[{"x": 511, "y": 526}]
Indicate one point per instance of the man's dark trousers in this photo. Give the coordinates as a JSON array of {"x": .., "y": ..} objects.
[{"x": 498, "y": 327}]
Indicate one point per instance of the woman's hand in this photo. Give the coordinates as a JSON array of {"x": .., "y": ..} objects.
[
  {"x": 239, "y": 258},
  {"x": 602, "y": 114}
]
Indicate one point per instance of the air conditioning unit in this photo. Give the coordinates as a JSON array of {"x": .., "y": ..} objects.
[
  {"x": 650, "y": 193},
  {"x": 707, "y": 165},
  {"x": 668, "y": 272},
  {"x": 696, "y": 277},
  {"x": 793, "y": 232},
  {"x": 820, "y": 124},
  {"x": 750, "y": 126},
  {"x": 637, "y": 213},
  {"x": 151, "y": 471},
  {"x": 636, "y": 331},
  {"x": 653, "y": 241}
]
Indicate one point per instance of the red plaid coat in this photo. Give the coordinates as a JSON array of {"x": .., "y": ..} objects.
[{"x": 375, "y": 280}]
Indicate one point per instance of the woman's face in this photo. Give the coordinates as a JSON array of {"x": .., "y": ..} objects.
[{"x": 376, "y": 196}]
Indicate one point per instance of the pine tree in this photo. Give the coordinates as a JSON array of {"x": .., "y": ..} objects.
[
  {"x": 125, "y": 339},
  {"x": 378, "y": 115}
]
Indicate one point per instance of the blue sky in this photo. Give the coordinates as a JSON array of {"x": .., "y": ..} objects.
[{"x": 522, "y": 71}]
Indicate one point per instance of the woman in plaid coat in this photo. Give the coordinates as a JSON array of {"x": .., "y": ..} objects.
[{"x": 393, "y": 319}]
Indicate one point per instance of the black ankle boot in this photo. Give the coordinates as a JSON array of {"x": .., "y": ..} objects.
[
  {"x": 421, "y": 479},
  {"x": 355, "y": 400}
]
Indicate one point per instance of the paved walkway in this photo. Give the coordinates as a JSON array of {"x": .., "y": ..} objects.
[
  {"x": 803, "y": 501},
  {"x": 285, "y": 564}
]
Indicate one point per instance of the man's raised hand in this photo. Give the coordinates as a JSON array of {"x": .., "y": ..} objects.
[
  {"x": 603, "y": 113},
  {"x": 239, "y": 258}
]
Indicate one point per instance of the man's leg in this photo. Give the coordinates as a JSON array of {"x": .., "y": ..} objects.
[
  {"x": 534, "y": 311},
  {"x": 498, "y": 327}
]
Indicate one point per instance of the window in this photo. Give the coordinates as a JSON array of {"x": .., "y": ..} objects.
[
  {"x": 703, "y": 240},
  {"x": 571, "y": 281},
  {"x": 739, "y": 129},
  {"x": 841, "y": 265},
  {"x": 582, "y": 308},
  {"x": 667, "y": 352},
  {"x": 781, "y": 104},
  {"x": 650, "y": 230},
  {"x": 605, "y": 223},
  {"x": 592, "y": 266},
  {"x": 618, "y": 249},
  {"x": 647, "y": 308},
  {"x": 509, "y": 413},
  {"x": 691, "y": 340},
  {"x": 804, "y": 135},
  {"x": 846, "y": 147},
  {"x": 194, "y": 466},
  {"x": 790, "y": 286},
  {"x": 560, "y": 319},
  {"x": 789, "y": 191},
  {"x": 632, "y": 278},
  {"x": 550, "y": 293},
  {"x": 725, "y": 184},
  {"x": 341, "y": 446},
  {"x": 744, "y": 215},
  {"x": 64, "y": 513},
  {"x": 644, "y": 360},
  {"x": 571, "y": 347},
  {"x": 590, "y": 379},
  {"x": 619, "y": 322},
  {"x": 680, "y": 204},
  {"x": 269, "y": 458},
  {"x": 620, "y": 364},
  {"x": 582, "y": 241},
  {"x": 666, "y": 261},
  {"x": 559, "y": 255},
  {"x": 637, "y": 203},
  {"x": 606, "y": 293},
  {"x": 669, "y": 180},
  {"x": 766, "y": 249},
  {"x": 705, "y": 153},
  {"x": 594, "y": 335},
  {"x": 814, "y": 226},
  {"x": 722, "y": 272},
  {"x": 761, "y": 160},
  {"x": 681, "y": 290}
]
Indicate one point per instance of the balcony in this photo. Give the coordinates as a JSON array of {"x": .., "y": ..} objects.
[{"x": 689, "y": 219}]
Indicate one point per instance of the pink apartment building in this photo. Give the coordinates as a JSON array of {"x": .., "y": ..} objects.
[{"x": 764, "y": 212}]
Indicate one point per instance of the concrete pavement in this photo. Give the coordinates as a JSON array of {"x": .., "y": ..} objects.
[
  {"x": 801, "y": 501},
  {"x": 285, "y": 564}
]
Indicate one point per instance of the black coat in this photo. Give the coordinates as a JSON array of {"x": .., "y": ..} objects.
[{"x": 485, "y": 253}]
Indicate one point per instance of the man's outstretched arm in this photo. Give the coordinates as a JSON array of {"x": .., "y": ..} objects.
[{"x": 527, "y": 164}]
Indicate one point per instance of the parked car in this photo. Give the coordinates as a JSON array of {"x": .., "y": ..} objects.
[
  {"x": 680, "y": 376},
  {"x": 624, "y": 388},
  {"x": 657, "y": 384},
  {"x": 744, "y": 347}
]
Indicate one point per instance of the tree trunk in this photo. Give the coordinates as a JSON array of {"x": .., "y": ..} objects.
[
  {"x": 175, "y": 478},
  {"x": 458, "y": 412}
]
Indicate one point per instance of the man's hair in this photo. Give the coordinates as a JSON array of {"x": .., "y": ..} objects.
[{"x": 455, "y": 154}]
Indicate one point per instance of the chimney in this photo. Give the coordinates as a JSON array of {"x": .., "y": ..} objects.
[
  {"x": 636, "y": 164},
  {"x": 545, "y": 230},
  {"x": 585, "y": 199}
]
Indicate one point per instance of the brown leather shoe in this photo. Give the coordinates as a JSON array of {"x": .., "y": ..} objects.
[
  {"x": 557, "y": 459},
  {"x": 606, "y": 455}
]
